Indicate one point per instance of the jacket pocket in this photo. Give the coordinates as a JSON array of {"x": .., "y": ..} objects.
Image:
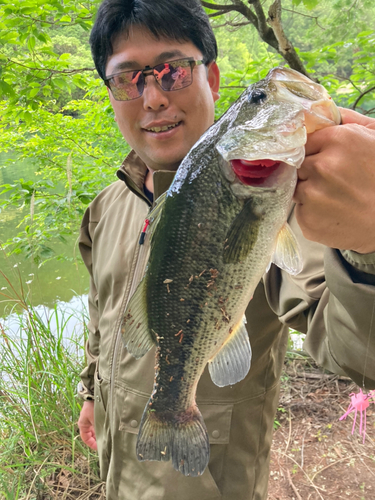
[
  {"x": 100, "y": 425},
  {"x": 217, "y": 418}
]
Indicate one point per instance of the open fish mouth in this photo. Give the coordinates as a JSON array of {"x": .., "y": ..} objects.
[
  {"x": 254, "y": 173},
  {"x": 257, "y": 153}
]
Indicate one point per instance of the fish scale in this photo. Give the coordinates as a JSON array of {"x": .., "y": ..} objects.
[
  {"x": 207, "y": 242},
  {"x": 213, "y": 234}
]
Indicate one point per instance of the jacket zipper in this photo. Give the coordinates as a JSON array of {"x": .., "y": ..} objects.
[{"x": 137, "y": 275}]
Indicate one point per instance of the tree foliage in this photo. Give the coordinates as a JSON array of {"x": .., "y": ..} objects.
[
  {"x": 54, "y": 109},
  {"x": 268, "y": 25},
  {"x": 54, "y": 112}
]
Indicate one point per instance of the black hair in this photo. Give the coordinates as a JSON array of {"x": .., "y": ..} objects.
[{"x": 174, "y": 19}]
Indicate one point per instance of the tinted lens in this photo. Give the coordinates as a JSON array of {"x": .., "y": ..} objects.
[
  {"x": 174, "y": 75},
  {"x": 128, "y": 85}
]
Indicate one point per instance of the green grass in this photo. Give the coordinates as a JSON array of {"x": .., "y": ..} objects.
[{"x": 41, "y": 454}]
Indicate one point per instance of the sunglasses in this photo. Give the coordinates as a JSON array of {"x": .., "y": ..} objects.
[{"x": 172, "y": 75}]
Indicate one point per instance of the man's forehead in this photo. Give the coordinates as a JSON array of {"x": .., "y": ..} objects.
[
  {"x": 140, "y": 48},
  {"x": 162, "y": 57}
]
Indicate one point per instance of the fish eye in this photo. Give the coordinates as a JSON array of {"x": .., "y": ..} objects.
[{"x": 257, "y": 97}]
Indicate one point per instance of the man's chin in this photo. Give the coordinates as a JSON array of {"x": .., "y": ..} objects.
[
  {"x": 169, "y": 168},
  {"x": 166, "y": 157},
  {"x": 162, "y": 163}
]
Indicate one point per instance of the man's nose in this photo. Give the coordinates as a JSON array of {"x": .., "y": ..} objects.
[{"x": 154, "y": 97}]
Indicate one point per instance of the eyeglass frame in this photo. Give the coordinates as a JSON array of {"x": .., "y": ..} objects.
[{"x": 148, "y": 71}]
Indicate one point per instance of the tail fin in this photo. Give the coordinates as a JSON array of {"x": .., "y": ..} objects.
[{"x": 181, "y": 437}]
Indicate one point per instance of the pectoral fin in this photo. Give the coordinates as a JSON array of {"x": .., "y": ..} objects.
[
  {"x": 287, "y": 254},
  {"x": 232, "y": 363},
  {"x": 136, "y": 335},
  {"x": 242, "y": 235}
]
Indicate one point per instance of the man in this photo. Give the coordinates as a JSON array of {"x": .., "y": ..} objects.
[{"x": 331, "y": 299}]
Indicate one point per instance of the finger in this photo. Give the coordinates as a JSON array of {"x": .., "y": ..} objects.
[
  {"x": 88, "y": 437},
  {"x": 302, "y": 174},
  {"x": 307, "y": 168},
  {"x": 350, "y": 116},
  {"x": 299, "y": 193},
  {"x": 315, "y": 141},
  {"x": 86, "y": 430},
  {"x": 91, "y": 443}
]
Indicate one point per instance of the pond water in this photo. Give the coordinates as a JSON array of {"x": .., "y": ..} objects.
[{"x": 63, "y": 282}]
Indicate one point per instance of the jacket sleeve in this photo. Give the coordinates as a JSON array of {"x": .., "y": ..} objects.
[
  {"x": 86, "y": 388},
  {"x": 333, "y": 301}
]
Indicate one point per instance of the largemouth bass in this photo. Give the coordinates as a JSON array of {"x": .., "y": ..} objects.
[{"x": 213, "y": 235}]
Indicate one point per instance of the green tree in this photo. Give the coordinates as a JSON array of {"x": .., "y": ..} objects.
[
  {"x": 54, "y": 109},
  {"x": 54, "y": 112}
]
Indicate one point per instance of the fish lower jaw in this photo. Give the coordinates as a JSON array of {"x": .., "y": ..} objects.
[
  {"x": 254, "y": 173},
  {"x": 283, "y": 177}
]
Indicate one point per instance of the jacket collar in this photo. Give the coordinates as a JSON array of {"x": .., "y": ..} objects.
[{"x": 133, "y": 172}]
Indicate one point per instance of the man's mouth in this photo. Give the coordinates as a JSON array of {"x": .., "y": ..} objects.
[
  {"x": 163, "y": 128},
  {"x": 254, "y": 173}
]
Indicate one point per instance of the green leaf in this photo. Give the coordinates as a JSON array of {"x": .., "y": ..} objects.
[
  {"x": 310, "y": 4},
  {"x": 365, "y": 33},
  {"x": 33, "y": 92},
  {"x": 47, "y": 90},
  {"x": 65, "y": 19},
  {"x": 60, "y": 82},
  {"x": 27, "y": 10},
  {"x": 85, "y": 198},
  {"x": 10, "y": 37},
  {"x": 31, "y": 43},
  {"x": 6, "y": 89},
  {"x": 41, "y": 37},
  {"x": 27, "y": 116},
  {"x": 46, "y": 252},
  {"x": 23, "y": 37}
]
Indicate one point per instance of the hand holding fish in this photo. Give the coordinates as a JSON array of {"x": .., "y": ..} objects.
[{"x": 335, "y": 191}]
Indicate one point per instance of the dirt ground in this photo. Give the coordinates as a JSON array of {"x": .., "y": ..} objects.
[{"x": 314, "y": 455}]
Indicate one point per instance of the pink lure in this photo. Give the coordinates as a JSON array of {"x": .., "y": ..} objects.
[{"x": 359, "y": 402}]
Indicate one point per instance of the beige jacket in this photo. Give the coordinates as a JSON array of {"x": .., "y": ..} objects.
[{"x": 332, "y": 300}]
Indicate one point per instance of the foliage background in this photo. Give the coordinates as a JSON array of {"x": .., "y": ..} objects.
[{"x": 54, "y": 110}]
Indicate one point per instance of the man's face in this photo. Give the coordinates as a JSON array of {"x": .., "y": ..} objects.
[{"x": 191, "y": 109}]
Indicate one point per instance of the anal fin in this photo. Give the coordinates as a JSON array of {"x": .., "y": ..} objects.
[{"x": 232, "y": 363}]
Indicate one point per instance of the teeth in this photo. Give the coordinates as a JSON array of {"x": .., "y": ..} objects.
[{"x": 162, "y": 129}]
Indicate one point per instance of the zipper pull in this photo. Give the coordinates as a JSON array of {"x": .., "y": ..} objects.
[{"x": 143, "y": 233}]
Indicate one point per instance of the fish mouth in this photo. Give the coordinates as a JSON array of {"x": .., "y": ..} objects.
[{"x": 254, "y": 173}]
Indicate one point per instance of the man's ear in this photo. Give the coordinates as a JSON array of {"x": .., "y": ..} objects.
[{"x": 214, "y": 79}]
